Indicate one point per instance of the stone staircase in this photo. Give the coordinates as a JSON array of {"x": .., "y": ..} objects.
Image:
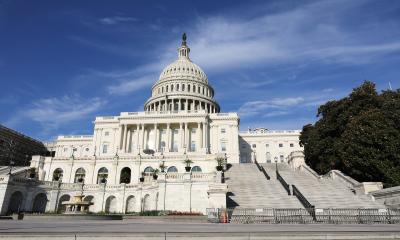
[
  {"x": 249, "y": 188},
  {"x": 322, "y": 192}
]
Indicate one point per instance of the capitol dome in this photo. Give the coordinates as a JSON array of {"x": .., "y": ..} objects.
[{"x": 182, "y": 86}]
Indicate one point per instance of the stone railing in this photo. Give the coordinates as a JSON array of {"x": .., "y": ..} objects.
[
  {"x": 194, "y": 176},
  {"x": 182, "y": 112},
  {"x": 203, "y": 176},
  {"x": 311, "y": 171},
  {"x": 348, "y": 181},
  {"x": 75, "y": 136},
  {"x": 270, "y": 132},
  {"x": 174, "y": 176}
]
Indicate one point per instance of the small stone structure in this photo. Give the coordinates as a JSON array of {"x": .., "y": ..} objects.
[{"x": 77, "y": 205}]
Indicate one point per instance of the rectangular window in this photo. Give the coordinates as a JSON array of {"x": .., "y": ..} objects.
[
  {"x": 193, "y": 131},
  {"x": 175, "y": 146},
  {"x": 268, "y": 157},
  {"x": 105, "y": 148},
  {"x": 267, "y": 145},
  {"x": 223, "y": 146},
  {"x": 280, "y": 144},
  {"x": 223, "y": 130},
  {"x": 281, "y": 158},
  {"x": 106, "y": 133},
  {"x": 193, "y": 146},
  {"x": 291, "y": 145}
]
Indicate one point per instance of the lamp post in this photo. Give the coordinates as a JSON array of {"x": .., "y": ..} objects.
[
  {"x": 140, "y": 161},
  {"x": 276, "y": 164}
]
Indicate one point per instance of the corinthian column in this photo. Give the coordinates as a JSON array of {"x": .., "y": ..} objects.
[
  {"x": 169, "y": 139},
  {"x": 155, "y": 137},
  {"x": 199, "y": 137},
  {"x": 124, "y": 138}
]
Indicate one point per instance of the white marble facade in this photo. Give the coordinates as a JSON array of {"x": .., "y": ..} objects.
[{"x": 181, "y": 120}]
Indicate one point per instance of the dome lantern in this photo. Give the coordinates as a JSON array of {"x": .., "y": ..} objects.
[{"x": 184, "y": 50}]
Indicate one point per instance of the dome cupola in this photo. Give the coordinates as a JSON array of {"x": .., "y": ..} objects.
[{"x": 182, "y": 86}]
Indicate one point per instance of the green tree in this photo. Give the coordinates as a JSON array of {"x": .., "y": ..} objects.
[{"x": 359, "y": 135}]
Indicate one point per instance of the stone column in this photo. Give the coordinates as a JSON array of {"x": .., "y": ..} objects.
[
  {"x": 187, "y": 135},
  {"x": 128, "y": 142},
  {"x": 179, "y": 107},
  {"x": 186, "y": 104},
  {"x": 168, "y": 145},
  {"x": 155, "y": 138},
  {"x": 181, "y": 135},
  {"x": 205, "y": 145},
  {"x": 199, "y": 137},
  {"x": 137, "y": 136},
  {"x": 121, "y": 127},
  {"x": 122, "y": 146},
  {"x": 142, "y": 137}
]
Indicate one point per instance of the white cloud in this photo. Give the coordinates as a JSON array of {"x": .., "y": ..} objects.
[
  {"x": 135, "y": 84},
  {"x": 308, "y": 33},
  {"x": 253, "y": 108},
  {"x": 53, "y": 112},
  {"x": 116, "y": 19},
  {"x": 311, "y": 33}
]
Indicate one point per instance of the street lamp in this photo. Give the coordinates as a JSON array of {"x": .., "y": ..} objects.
[
  {"x": 103, "y": 181},
  {"x": 276, "y": 164},
  {"x": 140, "y": 161}
]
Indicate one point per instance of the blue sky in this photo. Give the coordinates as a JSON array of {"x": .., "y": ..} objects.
[{"x": 64, "y": 62}]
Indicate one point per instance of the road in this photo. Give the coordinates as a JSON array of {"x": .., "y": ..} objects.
[{"x": 134, "y": 229}]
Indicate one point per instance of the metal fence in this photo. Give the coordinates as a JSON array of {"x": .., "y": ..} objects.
[{"x": 303, "y": 216}]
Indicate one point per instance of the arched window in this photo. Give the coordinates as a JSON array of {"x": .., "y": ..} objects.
[
  {"x": 102, "y": 175},
  {"x": 125, "y": 175},
  {"x": 177, "y": 87},
  {"x": 188, "y": 88},
  {"x": 172, "y": 87},
  {"x": 196, "y": 169},
  {"x": 58, "y": 174},
  {"x": 80, "y": 174},
  {"x": 148, "y": 171},
  {"x": 166, "y": 88},
  {"x": 183, "y": 87},
  {"x": 172, "y": 169}
]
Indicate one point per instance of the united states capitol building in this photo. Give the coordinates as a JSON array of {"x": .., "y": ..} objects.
[{"x": 165, "y": 158}]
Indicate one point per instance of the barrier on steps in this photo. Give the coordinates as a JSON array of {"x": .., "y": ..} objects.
[
  {"x": 261, "y": 168},
  {"x": 303, "y": 200},
  {"x": 283, "y": 182},
  {"x": 302, "y": 216}
]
